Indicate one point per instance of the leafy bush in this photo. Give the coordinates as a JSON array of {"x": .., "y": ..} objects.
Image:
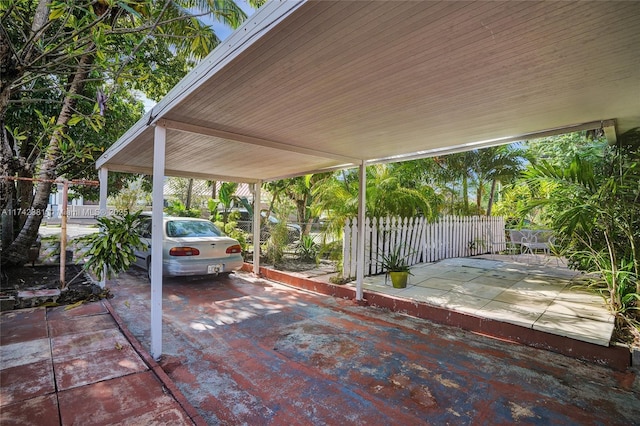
[
  {"x": 307, "y": 249},
  {"x": 231, "y": 229},
  {"x": 275, "y": 245},
  {"x": 596, "y": 205},
  {"x": 177, "y": 208},
  {"x": 113, "y": 245}
]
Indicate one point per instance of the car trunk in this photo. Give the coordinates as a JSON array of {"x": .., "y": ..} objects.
[{"x": 206, "y": 247}]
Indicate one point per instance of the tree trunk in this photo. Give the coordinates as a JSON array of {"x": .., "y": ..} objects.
[
  {"x": 213, "y": 189},
  {"x": 479, "y": 193},
  {"x": 6, "y": 168},
  {"x": 25, "y": 194},
  {"x": 18, "y": 250},
  {"x": 465, "y": 194},
  {"x": 491, "y": 195},
  {"x": 189, "y": 191}
]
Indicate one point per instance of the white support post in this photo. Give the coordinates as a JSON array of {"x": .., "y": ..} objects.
[
  {"x": 362, "y": 211},
  {"x": 103, "y": 177},
  {"x": 256, "y": 226},
  {"x": 156, "y": 240}
]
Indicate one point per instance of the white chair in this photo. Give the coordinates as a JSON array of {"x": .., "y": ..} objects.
[
  {"x": 534, "y": 242},
  {"x": 509, "y": 246},
  {"x": 514, "y": 243}
]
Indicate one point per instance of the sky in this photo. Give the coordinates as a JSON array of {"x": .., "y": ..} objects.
[{"x": 223, "y": 31}]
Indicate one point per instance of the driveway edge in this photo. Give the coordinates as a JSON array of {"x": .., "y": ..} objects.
[{"x": 157, "y": 370}]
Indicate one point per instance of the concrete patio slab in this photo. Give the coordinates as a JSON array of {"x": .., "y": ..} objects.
[
  {"x": 521, "y": 301},
  {"x": 580, "y": 310},
  {"x": 496, "y": 280},
  {"x": 510, "y": 313},
  {"x": 435, "y": 283},
  {"x": 23, "y": 325},
  {"x": 17, "y": 354},
  {"x": 459, "y": 275},
  {"x": 96, "y": 366},
  {"x": 133, "y": 399},
  {"x": 460, "y": 302},
  {"x": 40, "y": 410},
  {"x": 470, "y": 284},
  {"x": 486, "y": 291},
  {"x": 15, "y": 388},
  {"x": 80, "y": 375},
  {"x": 592, "y": 331},
  {"x": 421, "y": 294}
]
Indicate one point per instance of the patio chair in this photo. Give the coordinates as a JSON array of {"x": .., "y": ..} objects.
[
  {"x": 536, "y": 242},
  {"x": 503, "y": 246},
  {"x": 514, "y": 242}
]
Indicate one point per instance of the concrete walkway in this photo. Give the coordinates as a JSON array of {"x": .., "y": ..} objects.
[
  {"x": 523, "y": 291},
  {"x": 62, "y": 366}
]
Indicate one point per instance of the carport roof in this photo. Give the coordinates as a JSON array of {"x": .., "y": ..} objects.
[{"x": 308, "y": 86}]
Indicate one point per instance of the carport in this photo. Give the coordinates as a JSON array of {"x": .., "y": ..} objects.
[{"x": 315, "y": 86}]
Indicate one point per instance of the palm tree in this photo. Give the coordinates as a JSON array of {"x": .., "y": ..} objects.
[
  {"x": 454, "y": 169},
  {"x": 479, "y": 168},
  {"x": 337, "y": 194},
  {"x": 497, "y": 164}
]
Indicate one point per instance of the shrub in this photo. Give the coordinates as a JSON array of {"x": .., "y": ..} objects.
[
  {"x": 307, "y": 249},
  {"x": 113, "y": 245}
]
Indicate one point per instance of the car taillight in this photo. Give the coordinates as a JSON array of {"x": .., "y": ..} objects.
[
  {"x": 184, "y": 251},
  {"x": 234, "y": 249}
]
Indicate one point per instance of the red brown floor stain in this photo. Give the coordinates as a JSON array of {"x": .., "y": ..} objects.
[{"x": 247, "y": 351}]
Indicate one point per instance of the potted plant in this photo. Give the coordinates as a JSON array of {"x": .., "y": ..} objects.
[{"x": 397, "y": 267}]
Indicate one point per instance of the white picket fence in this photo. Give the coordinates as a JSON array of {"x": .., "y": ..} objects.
[{"x": 420, "y": 241}]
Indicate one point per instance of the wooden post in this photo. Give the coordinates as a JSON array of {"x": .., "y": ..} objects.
[{"x": 63, "y": 233}]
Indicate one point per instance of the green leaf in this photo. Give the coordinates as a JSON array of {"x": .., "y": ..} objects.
[
  {"x": 74, "y": 120},
  {"x": 56, "y": 13},
  {"x": 126, "y": 7}
]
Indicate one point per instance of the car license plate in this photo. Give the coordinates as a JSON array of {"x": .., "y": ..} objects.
[{"x": 214, "y": 269}]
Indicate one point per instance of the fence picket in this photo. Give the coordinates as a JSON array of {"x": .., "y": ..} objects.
[
  {"x": 374, "y": 246},
  {"x": 420, "y": 241}
]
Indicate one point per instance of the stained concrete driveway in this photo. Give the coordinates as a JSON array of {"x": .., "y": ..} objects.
[{"x": 251, "y": 351}]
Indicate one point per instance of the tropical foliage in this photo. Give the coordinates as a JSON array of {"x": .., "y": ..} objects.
[
  {"x": 67, "y": 71},
  {"x": 226, "y": 200},
  {"x": 111, "y": 250},
  {"x": 594, "y": 208},
  {"x": 307, "y": 249},
  {"x": 337, "y": 194}
]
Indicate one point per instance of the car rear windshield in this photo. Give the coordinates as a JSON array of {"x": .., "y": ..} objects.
[{"x": 192, "y": 228}]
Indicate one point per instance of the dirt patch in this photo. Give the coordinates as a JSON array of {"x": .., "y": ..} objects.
[
  {"x": 79, "y": 287},
  {"x": 294, "y": 265},
  {"x": 626, "y": 333}
]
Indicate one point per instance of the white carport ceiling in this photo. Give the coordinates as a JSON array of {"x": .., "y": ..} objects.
[{"x": 315, "y": 85}]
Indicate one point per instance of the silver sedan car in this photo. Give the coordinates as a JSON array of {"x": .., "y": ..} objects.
[{"x": 190, "y": 247}]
